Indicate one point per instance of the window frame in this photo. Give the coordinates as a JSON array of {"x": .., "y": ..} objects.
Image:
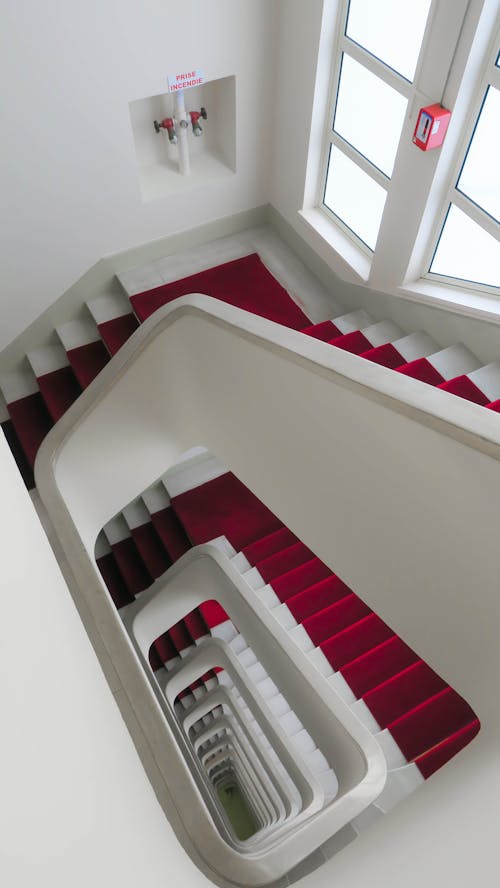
[{"x": 444, "y": 65}]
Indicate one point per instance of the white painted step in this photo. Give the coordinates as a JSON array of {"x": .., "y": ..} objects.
[
  {"x": 487, "y": 380},
  {"x": 109, "y": 306},
  {"x": 382, "y": 332},
  {"x": 415, "y": 345},
  {"x": 192, "y": 473},
  {"x": 78, "y": 332},
  {"x": 454, "y": 361},
  {"x": 47, "y": 359},
  {"x": 355, "y": 320},
  {"x": 116, "y": 530},
  {"x": 136, "y": 514},
  {"x": 156, "y": 498},
  {"x": 19, "y": 383}
]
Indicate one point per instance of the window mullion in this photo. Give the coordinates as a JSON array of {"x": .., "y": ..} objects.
[
  {"x": 475, "y": 213},
  {"x": 360, "y": 160},
  {"x": 388, "y": 75}
]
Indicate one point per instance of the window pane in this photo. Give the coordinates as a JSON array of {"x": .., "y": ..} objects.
[
  {"x": 369, "y": 114},
  {"x": 391, "y": 30},
  {"x": 467, "y": 251},
  {"x": 354, "y": 197},
  {"x": 480, "y": 176}
]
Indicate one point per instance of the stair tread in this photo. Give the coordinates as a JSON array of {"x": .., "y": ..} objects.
[
  {"x": 402, "y": 692},
  {"x": 430, "y": 723},
  {"x": 171, "y": 532},
  {"x": 114, "y": 580},
  {"x": 283, "y": 561},
  {"x": 435, "y": 758},
  {"x": 300, "y": 578},
  {"x": 463, "y": 387},
  {"x": 18, "y": 453},
  {"x": 244, "y": 282},
  {"x": 314, "y": 598},
  {"x": 59, "y": 389},
  {"x": 354, "y": 342},
  {"x": 355, "y": 640},
  {"x": 115, "y": 332},
  {"x": 377, "y": 665},
  {"x": 269, "y": 544},
  {"x": 88, "y": 360},
  {"x": 325, "y": 331},
  {"x": 151, "y": 549},
  {"x": 224, "y": 507},
  {"x": 31, "y": 421},
  {"x": 334, "y": 619},
  {"x": 131, "y": 566}
]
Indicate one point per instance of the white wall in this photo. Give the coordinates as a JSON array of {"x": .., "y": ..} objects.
[{"x": 70, "y": 191}]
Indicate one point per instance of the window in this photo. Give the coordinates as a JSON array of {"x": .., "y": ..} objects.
[
  {"x": 468, "y": 247},
  {"x": 377, "y": 64},
  {"x": 407, "y": 220}
]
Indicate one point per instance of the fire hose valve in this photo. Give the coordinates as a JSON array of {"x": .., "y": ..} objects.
[
  {"x": 195, "y": 117},
  {"x": 169, "y": 125}
]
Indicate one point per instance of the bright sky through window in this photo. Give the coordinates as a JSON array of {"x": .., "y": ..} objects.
[
  {"x": 354, "y": 197},
  {"x": 467, "y": 251},
  {"x": 369, "y": 114},
  {"x": 390, "y": 29},
  {"x": 480, "y": 177}
]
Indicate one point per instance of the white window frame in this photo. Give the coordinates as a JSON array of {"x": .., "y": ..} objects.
[{"x": 452, "y": 68}]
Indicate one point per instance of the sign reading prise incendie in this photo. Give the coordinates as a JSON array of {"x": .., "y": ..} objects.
[{"x": 185, "y": 80}]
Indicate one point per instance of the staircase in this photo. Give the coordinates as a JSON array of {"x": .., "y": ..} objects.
[{"x": 418, "y": 721}]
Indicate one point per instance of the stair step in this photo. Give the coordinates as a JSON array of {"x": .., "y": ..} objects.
[
  {"x": 59, "y": 390},
  {"x": 115, "y": 333},
  {"x": 269, "y": 545},
  {"x": 192, "y": 473},
  {"x": 354, "y": 320},
  {"x": 213, "y": 614},
  {"x": 359, "y": 341},
  {"x": 87, "y": 361},
  {"x": 155, "y": 498},
  {"x": 402, "y": 351},
  {"x": 151, "y": 549},
  {"x": 164, "y": 648},
  {"x": 442, "y": 365},
  {"x": 324, "y": 331},
  {"x": 180, "y": 638},
  {"x": 317, "y": 597},
  {"x": 435, "y": 758},
  {"x": 282, "y": 562},
  {"x": 244, "y": 282},
  {"x": 113, "y": 578},
  {"x": 32, "y": 422},
  {"x": 428, "y": 724},
  {"x": 298, "y": 579},
  {"x": 18, "y": 453},
  {"x": 487, "y": 379},
  {"x": 170, "y": 532},
  {"x": 401, "y": 693},
  {"x": 239, "y": 515},
  {"x": 334, "y": 619},
  {"x": 464, "y": 388},
  {"x": 375, "y": 666},
  {"x": 355, "y": 640},
  {"x": 131, "y": 566},
  {"x": 195, "y": 625}
]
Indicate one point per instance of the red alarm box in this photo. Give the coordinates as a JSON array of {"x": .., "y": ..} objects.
[{"x": 431, "y": 127}]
